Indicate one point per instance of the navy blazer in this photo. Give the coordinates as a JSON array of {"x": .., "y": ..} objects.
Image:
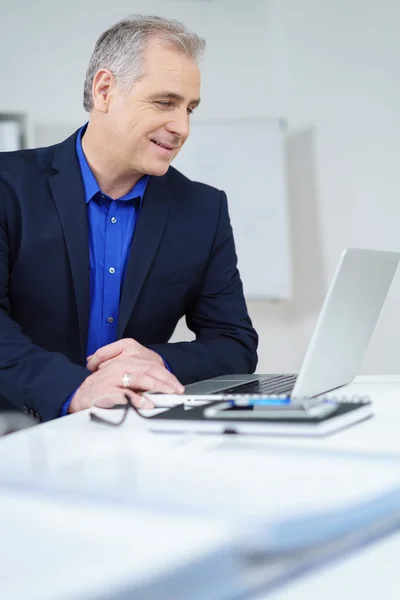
[{"x": 182, "y": 261}]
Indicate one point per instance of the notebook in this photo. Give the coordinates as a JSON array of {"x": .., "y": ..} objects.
[{"x": 210, "y": 419}]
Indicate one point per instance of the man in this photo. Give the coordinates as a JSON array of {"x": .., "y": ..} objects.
[{"x": 104, "y": 246}]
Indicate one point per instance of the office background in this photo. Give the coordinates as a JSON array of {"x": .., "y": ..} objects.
[{"x": 331, "y": 69}]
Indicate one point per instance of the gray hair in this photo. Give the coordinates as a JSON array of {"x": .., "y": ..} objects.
[{"x": 120, "y": 49}]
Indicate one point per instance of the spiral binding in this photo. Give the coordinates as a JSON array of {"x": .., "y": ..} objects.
[{"x": 354, "y": 399}]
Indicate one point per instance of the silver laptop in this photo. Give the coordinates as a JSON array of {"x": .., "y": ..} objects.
[{"x": 345, "y": 325}]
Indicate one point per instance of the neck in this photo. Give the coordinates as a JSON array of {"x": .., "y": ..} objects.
[{"x": 104, "y": 159}]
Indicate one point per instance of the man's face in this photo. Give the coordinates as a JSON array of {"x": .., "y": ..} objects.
[{"x": 151, "y": 122}]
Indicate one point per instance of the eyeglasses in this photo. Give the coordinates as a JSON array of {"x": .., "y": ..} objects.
[{"x": 129, "y": 404}]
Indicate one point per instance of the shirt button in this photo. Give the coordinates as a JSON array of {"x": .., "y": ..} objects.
[
  {"x": 111, "y": 270},
  {"x": 110, "y": 320},
  {"x": 113, "y": 220}
]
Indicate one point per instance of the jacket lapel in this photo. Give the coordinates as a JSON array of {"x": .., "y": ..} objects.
[
  {"x": 68, "y": 194},
  {"x": 146, "y": 239}
]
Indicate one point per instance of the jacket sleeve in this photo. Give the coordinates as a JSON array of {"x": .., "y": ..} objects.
[
  {"x": 31, "y": 378},
  {"x": 226, "y": 341}
]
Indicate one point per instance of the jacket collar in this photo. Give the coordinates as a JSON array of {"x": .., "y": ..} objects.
[{"x": 69, "y": 197}]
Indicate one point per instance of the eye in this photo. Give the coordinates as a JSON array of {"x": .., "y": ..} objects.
[
  {"x": 190, "y": 111},
  {"x": 164, "y": 103}
]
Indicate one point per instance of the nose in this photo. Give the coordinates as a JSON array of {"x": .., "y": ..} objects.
[{"x": 180, "y": 124}]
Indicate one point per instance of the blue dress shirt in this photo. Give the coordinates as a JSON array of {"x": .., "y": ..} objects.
[{"x": 111, "y": 226}]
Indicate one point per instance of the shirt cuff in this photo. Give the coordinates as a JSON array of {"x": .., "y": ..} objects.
[{"x": 65, "y": 406}]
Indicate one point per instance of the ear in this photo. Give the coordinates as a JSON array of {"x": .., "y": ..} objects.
[{"x": 102, "y": 89}]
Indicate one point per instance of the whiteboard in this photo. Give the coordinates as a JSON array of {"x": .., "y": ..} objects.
[{"x": 246, "y": 159}]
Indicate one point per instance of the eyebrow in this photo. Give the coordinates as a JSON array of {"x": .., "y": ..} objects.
[{"x": 174, "y": 96}]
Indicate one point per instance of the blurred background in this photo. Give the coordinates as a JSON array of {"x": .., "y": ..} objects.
[{"x": 331, "y": 69}]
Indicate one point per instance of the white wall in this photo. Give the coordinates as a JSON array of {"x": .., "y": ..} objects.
[
  {"x": 331, "y": 68},
  {"x": 339, "y": 76}
]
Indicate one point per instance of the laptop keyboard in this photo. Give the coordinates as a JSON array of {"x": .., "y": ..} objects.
[{"x": 272, "y": 384}]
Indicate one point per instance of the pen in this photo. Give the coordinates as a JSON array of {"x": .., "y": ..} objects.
[{"x": 266, "y": 401}]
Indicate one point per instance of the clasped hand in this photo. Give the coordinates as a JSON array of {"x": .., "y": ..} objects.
[{"x": 104, "y": 387}]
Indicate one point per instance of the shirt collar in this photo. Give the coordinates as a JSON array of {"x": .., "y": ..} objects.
[{"x": 90, "y": 184}]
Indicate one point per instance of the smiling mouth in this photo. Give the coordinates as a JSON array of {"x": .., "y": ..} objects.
[{"x": 164, "y": 146}]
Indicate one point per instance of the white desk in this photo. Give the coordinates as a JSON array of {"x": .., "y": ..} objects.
[
  {"x": 371, "y": 572},
  {"x": 376, "y": 443},
  {"x": 378, "y": 436},
  {"x": 375, "y": 438},
  {"x": 368, "y": 574},
  {"x": 52, "y": 547}
]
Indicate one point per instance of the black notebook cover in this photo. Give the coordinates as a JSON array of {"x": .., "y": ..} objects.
[{"x": 348, "y": 411}]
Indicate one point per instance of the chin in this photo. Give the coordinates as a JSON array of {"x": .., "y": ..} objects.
[{"x": 158, "y": 170}]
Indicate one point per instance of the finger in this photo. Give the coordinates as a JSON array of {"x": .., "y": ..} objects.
[
  {"x": 105, "y": 353},
  {"x": 91, "y": 365},
  {"x": 140, "y": 401},
  {"x": 139, "y": 367},
  {"x": 148, "y": 383},
  {"x": 132, "y": 363},
  {"x": 111, "y": 351},
  {"x": 109, "y": 400},
  {"x": 161, "y": 374}
]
